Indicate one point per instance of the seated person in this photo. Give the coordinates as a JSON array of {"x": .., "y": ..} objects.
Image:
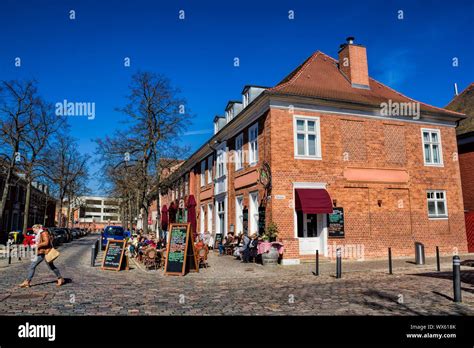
[{"x": 222, "y": 245}]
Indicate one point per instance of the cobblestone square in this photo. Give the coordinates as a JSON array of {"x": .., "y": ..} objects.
[{"x": 229, "y": 287}]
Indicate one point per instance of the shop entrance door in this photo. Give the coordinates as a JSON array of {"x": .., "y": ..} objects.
[{"x": 312, "y": 233}]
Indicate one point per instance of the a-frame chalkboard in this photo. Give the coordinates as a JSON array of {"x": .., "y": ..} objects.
[
  {"x": 180, "y": 253},
  {"x": 113, "y": 256}
]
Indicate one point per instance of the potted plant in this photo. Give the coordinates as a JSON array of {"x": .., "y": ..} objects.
[
  {"x": 272, "y": 256},
  {"x": 272, "y": 231}
]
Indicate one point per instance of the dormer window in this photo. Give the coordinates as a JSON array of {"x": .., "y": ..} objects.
[
  {"x": 229, "y": 114},
  {"x": 246, "y": 99}
]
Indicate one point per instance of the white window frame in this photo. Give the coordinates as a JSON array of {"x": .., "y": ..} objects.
[
  {"x": 202, "y": 228},
  {"x": 209, "y": 217},
  {"x": 436, "y": 200},
  {"x": 239, "y": 214},
  {"x": 317, "y": 133},
  {"x": 203, "y": 173},
  {"x": 253, "y": 212},
  {"x": 221, "y": 162},
  {"x": 253, "y": 144},
  {"x": 246, "y": 98},
  {"x": 209, "y": 169},
  {"x": 239, "y": 150},
  {"x": 440, "y": 145}
]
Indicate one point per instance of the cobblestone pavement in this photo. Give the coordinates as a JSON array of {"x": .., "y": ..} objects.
[{"x": 229, "y": 287}]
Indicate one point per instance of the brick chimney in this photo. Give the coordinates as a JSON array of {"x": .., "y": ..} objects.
[{"x": 353, "y": 63}]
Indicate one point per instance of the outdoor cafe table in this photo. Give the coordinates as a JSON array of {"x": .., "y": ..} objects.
[{"x": 264, "y": 247}]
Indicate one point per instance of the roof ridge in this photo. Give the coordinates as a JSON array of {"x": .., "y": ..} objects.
[
  {"x": 414, "y": 100},
  {"x": 470, "y": 86},
  {"x": 298, "y": 74}
]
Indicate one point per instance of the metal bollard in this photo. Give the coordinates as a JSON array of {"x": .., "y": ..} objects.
[
  {"x": 93, "y": 254},
  {"x": 316, "y": 273},
  {"x": 338, "y": 264},
  {"x": 438, "y": 267},
  {"x": 390, "y": 261},
  {"x": 457, "y": 278},
  {"x": 9, "y": 245}
]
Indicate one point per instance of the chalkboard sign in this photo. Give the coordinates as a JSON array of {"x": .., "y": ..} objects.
[
  {"x": 218, "y": 240},
  {"x": 245, "y": 220},
  {"x": 336, "y": 223},
  {"x": 180, "y": 254},
  {"x": 114, "y": 255},
  {"x": 261, "y": 220}
]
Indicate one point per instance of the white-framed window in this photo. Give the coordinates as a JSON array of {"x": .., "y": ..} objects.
[
  {"x": 202, "y": 219},
  {"x": 253, "y": 212},
  {"x": 253, "y": 144},
  {"x": 437, "y": 206},
  {"x": 220, "y": 163},
  {"x": 239, "y": 214},
  {"x": 209, "y": 217},
  {"x": 239, "y": 158},
  {"x": 209, "y": 169},
  {"x": 307, "y": 137},
  {"x": 432, "y": 149},
  {"x": 203, "y": 173},
  {"x": 246, "y": 99},
  {"x": 229, "y": 114}
]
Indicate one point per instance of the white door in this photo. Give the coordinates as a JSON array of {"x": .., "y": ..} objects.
[
  {"x": 312, "y": 233},
  {"x": 239, "y": 217},
  {"x": 220, "y": 217},
  {"x": 253, "y": 212}
]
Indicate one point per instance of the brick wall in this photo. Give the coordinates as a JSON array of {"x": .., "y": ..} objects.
[
  {"x": 402, "y": 218},
  {"x": 466, "y": 161}
]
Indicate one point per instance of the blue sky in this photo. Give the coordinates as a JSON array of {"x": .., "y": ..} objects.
[{"x": 82, "y": 60}]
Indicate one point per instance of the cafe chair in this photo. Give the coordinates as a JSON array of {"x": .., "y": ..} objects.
[
  {"x": 149, "y": 259},
  {"x": 163, "y": 259},
  {"x": 203, "y": 257}
]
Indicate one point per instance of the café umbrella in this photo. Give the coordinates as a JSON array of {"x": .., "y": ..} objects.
[
  {"x": 164, "y": 218},
  {"x": 172, "y": 213},
  {"x": 192, "y": 214}
]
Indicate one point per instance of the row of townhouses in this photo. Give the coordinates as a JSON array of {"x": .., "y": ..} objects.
[
  {"x": 334, "y": 158},
  {"x": 42, "y": 205}
]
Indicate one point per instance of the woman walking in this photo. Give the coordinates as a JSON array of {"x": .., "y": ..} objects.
[{"x": 43, "y": 246}]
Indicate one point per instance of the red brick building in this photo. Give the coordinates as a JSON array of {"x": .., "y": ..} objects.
[
  {"x": 464, "y": 103},
  {"x": 336, "y": 160}
]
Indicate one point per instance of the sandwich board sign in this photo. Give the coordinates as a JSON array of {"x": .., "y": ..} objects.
[
  {"x": 114, "y": 253},
  {"x": 180, "y": 253}
]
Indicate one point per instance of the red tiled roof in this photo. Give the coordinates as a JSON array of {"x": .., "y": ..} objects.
[
  {"x": 319, "y": 77},
  {"x": 464, "y": 102}
]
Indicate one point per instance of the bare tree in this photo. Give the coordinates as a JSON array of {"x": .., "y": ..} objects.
[
  {"x": 36, "y": 147},
  {"x": 17, "y": 100},
  {"x": 67, "y": 169},
  {"x": 156, "y": 116}
]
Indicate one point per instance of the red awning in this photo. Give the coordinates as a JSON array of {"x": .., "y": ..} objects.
[{"x": 313, "y": 201}]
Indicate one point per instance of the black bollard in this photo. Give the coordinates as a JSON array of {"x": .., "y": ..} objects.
[
  {"x": 338, "y": 264},
  {"x": 390, "y": 261},
  {"x": 457, "y": 278},
  {"x": 438, "y": 268},
  {"x": 316, "y": 272},
  {"x": 93, "y": 255}
]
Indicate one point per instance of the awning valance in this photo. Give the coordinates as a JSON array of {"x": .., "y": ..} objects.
[{"x": 313, "y": 201}]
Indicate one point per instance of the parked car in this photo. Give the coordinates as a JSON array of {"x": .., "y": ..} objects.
[
  {"x": 60, "y": 236},
  {"x": 69, "y": 233},
  {"x": 111, "y": 233}
]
